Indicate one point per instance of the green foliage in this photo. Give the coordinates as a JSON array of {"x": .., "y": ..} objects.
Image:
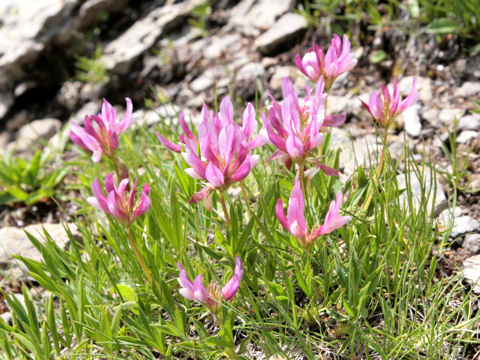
[
  {"x": 199, "y": 16},
  {"x": 28, "y": 181},
  {"x": 91, "y": 70}
]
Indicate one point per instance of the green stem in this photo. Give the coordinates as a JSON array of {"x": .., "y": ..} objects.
[
  {"x": 378, "y": 172},
  {"x": 133, "y": 244},
  {"x": 301, "y": 176},
  {"x": 246, "y": 198},
  {"x": 225, "y": 211}
]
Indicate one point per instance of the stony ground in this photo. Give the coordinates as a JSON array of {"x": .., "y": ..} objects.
[{"x": 152, "y": 50}]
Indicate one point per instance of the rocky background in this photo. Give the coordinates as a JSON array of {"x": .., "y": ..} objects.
[{"x": 59, "y": 58}]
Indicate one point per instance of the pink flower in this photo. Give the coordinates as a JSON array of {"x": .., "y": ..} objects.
[
  {"x": 295, "y": 126},
  {"x": 295, "y": 219},
  {"x": 385, "y": 110},
  {"x": 118, "y": 202},
  {"x": 225, "y": 148},
  {"x": 338, "y": 60},
  {"x": 104, "y": 139},
  {"x": 196, "y": 290}
]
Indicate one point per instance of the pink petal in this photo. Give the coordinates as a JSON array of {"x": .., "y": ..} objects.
[
  {"x": 296, "y": 208},
  {"x": 281, "y": 214},
  {"x": 242, "y": 171},
  {"x": 199, "y": 196},
  {"x": 214, "y": 175},
  {"x": 226, "y": 110},
  {"x": 169, "y": 145},
  {"x": 127, "y": 118},
  {"x": 335, "y": 120},
  {"x": 200, "y": 292},
  {"x": 249, "y": 122},
  {"x": 231, "y": 287}
]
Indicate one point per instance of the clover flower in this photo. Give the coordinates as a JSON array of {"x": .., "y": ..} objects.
[
  {"x": 103, "y": 138},
  {"x": 338, "y": 60},
  {"x": 384, "y": 109},
  {"x": 225, "y": 148},
  {"x": 295, "y": 126},
  {"x": 119, "y": 202},
  {"x": 295, "y": 222},
  {"x": 195, "y": 290}
]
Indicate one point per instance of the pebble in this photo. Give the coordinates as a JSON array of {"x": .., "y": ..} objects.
[
  {"x": 337, "y": 104},
  {"x": 6, "y": 101},
  {"x": 423, "y": 86},
  {"x": 411, "y": 120},
  {"x": 250, "y": 71},
  {"x": 35, "y": 134},
  {"x": 468, "y": 89},
  {"x": 285, "y": 29},
  {"x": 431, "y": 115},
  {"x": 220, "y": 44},
  {"x": 469, "y": 122},
  {"x": 208, "y": 78},
  {"x": 280, "y": 73},
  {"x": 463, "y": 225},
  {"x": 471, "y": 272},
  {"x": 472, "y": 243},
  {"x": 467, "y": 135},
  {"x": 447, "y": 216},
  {"x": 447, "y": 116}
]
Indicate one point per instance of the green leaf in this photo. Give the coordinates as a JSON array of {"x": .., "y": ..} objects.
[
  {"x": 126, "y": 291},
  {"x": 443, "y": 26},
  {"x": 377, "y": 56}
]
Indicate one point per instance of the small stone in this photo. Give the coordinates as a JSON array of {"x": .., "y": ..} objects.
[
  {"x": 338, "y": 104},
  {"x": 469, "y": 122},
  {"x": 463, "y": 225},
  {"x": 429, "y": 189},
  {"x": 467, "y": 135},
  {"x": 227, "y": 43},
  {"x": 474, "y": 182},
  {"x": 285, "y": 29},
  {"x": 447, "y": 216},
  {"x": 468, "y": 89},
  {"x": 423, "y": 86},
  {"x": 411, "y": 119},
  {"x": 36, "y": 134},
  {"x": 250, "y": 71},
  {"x": 6, "y": 101},
  {"x": 280, "y": 73},
  {"x": 431, "y": 115},
  {"x": 208, "y": 78},
  {"x": 18, "y": 120},
  {"x": 471, "y": 272},
  {"x": 472, "y": 243},
  {"x": 447, "y": 116},
  {"x": 14, "y": 241}
]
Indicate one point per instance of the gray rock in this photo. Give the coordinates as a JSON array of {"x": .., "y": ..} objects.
[
  {"x": 337, "y": 104},
  {"x": 14, "y": 241},
  {"x": 463, "y": 225},
  {"x": 142, "y": 35},
  {"x": 423, "y": 86},
  {"x": 431, "y": 115},
  {"x": 280, "y": 73},
  {"x": 467, "y": 135},
  {"x": 208, "y": 78},
  {"x": 429, "y": 187},
  {"x": 36, "y": 134},
  {"x": 468, "y": 89},
  {"x": 17, "y": 121},
  {"x": 221, "y": 44},
  {"x": 285, "y": 29},
  {"x": 474, "y": 182},
  {"x": 411, "y": 120},
  {"x": 250, "y": 71},
  {"x": 88, "y": 12},
  {"x": 363, "y": 151},
  {"x": 471, "y": 272},
  {"x": 90, "y": 108},
  {"x": 447, "y": 116},
  {"x": 469, "y": 122},
  {"x": 166, "y": 114},
  {"x": 472, "y": 243},
  {"x": 27, "y": 27},
  {"x": 251, "y": 17},
  {"x": 447, "y": 216}
]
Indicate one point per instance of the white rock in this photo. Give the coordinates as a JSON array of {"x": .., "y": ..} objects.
[
  {"x": 463, "y": 225},
  {"x": 280, "y": 73},
  {"x": 423, "y": 86},
  {"x": 468, "y": 89},
  {"x": 286, "y": 28},
  {"x": 471, "y": 272},
  {"x": 337, "y": 104},
  {"x": 411, "y": 120},
  {"x": 429, "y": 190},
  {"x": 36, "y": 134},
  {"x": 6, "y": 101},
  {"x": 250, "y": 71},
  {"x": 447, "y": 116},
  {"x": 467, "y": 135},
  {"x": 447, "y": 216},
  {"x": 218, "y": 45},
  {"x": 469, "y": 122},
  {"x": 208, "y": 78},
  {"x": 472, "y": 243},
  {"x": 431, "y": 115}
]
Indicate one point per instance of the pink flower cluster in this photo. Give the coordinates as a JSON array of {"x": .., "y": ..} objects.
[
  {"x": 196, "y": 290},
  {"x": 225, "y": 148}
]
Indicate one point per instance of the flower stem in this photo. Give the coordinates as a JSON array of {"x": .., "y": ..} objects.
[
  {"x": 225, "y": 211},
  {"x": 378, "y": 173},
  {"x": 133, "y": 244},
  {"x": 301, "y": 177},
  {"x": 246, "y": 198},
  {"x": 120, "y": 168}
]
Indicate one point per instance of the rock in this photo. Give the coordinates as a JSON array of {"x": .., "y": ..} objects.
[
  {"x": 285, "y": 29},
  {"x": 6, "y": 101},
  {"x": 88, "y": 14},
  {"x": 471, "y": 272},
  {"x": 250, "y": 71},
  {"x": 472, "y": 243},
  {"x": 251, "y": 17},
  {"x": 411, "y": 119},
  {"x": 429, "y": 190},
  {"x": 363, "y": 151},
  {"x": 120, "y": 54},
  {"x": 423, "y": 86},
  {"x": 337, "y": 104},
  {"x": 280, "y": 73},
  {"x": 27, "y": 27},
  {"x": 447, "y": 116},
  {"x": 474, "y": 182},
  {"x": 447, "y": 216},
  {"x": 208, "y": 78},
  {"x": 463, "y": 225},
  {"x": 18, "y": 120},
  {"x": 467, "y": 135},
  {"x": 431, "y": 115},
  {"x": 14, "y": 241},
  {"x": 167, "y": 114},
  {"x": 468, "y": 89},
  {"x": 469, "y": 122},
  {"x": 230, "y": 43},
  {"x": 36, "y": 134}
]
